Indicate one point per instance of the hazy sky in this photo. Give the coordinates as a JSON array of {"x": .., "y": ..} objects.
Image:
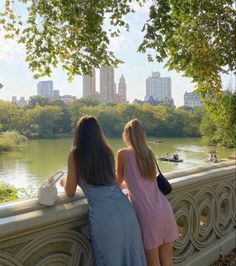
[{"x": 18, "y": 81}]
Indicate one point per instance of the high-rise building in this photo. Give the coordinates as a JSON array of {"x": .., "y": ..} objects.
[
  {"x": 14, "y": 99},
  {"x": 22, "y": 102},
  {"x": 56, "y": 93},
  {"x": 192, "y": 100},
  {"x": 107, "y": 84},
  {"x": 114, "y": 89},
  {"x": 158, "y": 87},
  {"x": 45, "y": 88},
  {"x": 89, "y": 84},
  {"x": 122, "y": 89}
]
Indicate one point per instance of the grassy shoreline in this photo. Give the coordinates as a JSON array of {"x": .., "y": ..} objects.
[
  {"x": 10, "y": 140},
  {"x": 7, "y": 193}
]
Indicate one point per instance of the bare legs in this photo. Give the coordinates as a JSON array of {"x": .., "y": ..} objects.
[{"x": 161, "y": 256}]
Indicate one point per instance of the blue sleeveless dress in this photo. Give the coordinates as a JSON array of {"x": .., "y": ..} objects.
[{"x": 115, "y": 233}]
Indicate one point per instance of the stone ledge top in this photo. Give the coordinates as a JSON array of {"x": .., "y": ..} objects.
[
  {"x": 15, "y": 218},
  {"x": 195, "y": 170}
]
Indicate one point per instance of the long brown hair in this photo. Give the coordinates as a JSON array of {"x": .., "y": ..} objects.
[
  {"x": 144, "y": 156},
  {"x": 93, "y": 156}
]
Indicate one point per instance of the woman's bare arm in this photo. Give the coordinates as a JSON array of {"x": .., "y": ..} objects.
[
  {"x": 120, "y": 164},
  {"x": 70, "y": 183}
]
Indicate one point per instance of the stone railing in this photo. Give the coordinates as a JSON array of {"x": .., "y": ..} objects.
[{"x": 203, "y": 200}]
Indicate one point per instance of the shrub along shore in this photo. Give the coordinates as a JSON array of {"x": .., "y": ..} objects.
[
  {"x": 7, "y": 193},
  {"x": 10, "y": 140}
]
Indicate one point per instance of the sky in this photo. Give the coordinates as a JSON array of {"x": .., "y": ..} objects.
[{"x": 18, "y": 79}]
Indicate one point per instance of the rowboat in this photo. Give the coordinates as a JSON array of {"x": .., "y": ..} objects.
[{"x": 170, "y": 160}]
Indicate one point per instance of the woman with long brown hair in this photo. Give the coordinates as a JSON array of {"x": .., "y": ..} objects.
[
  {"x": 115, "y": 233},
  {"x": 136, "y": 165}
]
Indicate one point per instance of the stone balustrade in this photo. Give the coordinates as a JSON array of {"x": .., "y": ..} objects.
[
  {"x": 204, "y": 204},
  {"x": 203, "y": 200}
]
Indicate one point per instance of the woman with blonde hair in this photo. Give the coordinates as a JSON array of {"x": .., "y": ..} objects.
[
  {"x": 136, "y": 165},
  {"x": 115, "y": 233}
]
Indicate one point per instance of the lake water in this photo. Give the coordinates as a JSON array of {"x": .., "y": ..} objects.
[{"x": 36, "y": 160}]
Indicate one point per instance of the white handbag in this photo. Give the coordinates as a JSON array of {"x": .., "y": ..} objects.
[{"x": 47, "y": 193}]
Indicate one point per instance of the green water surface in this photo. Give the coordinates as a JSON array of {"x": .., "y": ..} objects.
[{"x": 37, "y": 159}]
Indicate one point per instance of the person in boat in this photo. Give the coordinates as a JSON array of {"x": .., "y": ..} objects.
[
  {"x": 176, "y": 157},
  {"x": 211, "y": 157},
  {"x": 215, "y": 159}
]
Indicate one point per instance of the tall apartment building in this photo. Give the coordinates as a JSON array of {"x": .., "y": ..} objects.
[
  {"x": 45, "y": 88},
  {"x": 122, "y": 90},
  {"x": 158, "y": 87},
  {"x": 107, "y": 77},
  {"x": 89, "y": 84},
  {"x": 192, "y": 100}
]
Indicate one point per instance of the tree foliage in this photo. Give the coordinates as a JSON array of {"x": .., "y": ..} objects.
[
  {"x": 7, "y": 193},
  {"x": 218, "y": 125},
  {"x": 216, "y": 122},
  {"x": 50, "y": 121},
  {"x": 10, "y": 140},
  {"x": 69, "y": 32},
  {"x": 195, "y": 37},
  {"x": 38, "y": 100}
]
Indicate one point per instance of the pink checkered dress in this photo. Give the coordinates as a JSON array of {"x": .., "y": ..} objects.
[{"x": 153, "y": 209}]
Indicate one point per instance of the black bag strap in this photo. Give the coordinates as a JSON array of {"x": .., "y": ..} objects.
[{"x": 158, "y": 167}]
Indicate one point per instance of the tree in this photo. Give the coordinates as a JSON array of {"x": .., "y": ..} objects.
[
  {"x": 10, "y": 116},
  {"x": 38, "y": 100},
  {"x": 110, "y": 122},
  {"x": 196, "y": 37},
  {"x": 69, "y": 32},
  {"x": 47, "y": 118},
  {"x": 219, "y": 125},
  {"x": 58, "y": 102},
  {"x": 88, "y": 101}
]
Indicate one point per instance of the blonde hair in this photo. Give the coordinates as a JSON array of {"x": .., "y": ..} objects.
[{"x": 144, "y": 156}]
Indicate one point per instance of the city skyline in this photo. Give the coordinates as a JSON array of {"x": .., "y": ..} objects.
[
  {"x": 18, "y": 80},
  {"x": 108, "y": 91}
]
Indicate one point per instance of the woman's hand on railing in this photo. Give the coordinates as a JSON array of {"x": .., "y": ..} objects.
[
  {"x": 123, "y": 185},
  {"x": 63, "y": 181}
]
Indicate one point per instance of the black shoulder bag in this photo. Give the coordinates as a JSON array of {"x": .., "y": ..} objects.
[{"x": 163, "y": 184}]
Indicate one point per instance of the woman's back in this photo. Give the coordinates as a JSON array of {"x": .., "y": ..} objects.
[
  {"x": 152, "y": 208},
  {"x": 143, "y": 191},
  {"x": 115, "y": 232}
]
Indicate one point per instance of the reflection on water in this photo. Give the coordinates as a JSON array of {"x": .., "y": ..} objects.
[{"x": 38, "y": 159}]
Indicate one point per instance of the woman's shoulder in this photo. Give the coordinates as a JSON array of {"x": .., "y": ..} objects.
[
  {"x": 122, "y": 154},
  {"x": 71, "y": 154},
  {"x": 71, "y": 157},
  {"x": 123, "y": 150}
]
